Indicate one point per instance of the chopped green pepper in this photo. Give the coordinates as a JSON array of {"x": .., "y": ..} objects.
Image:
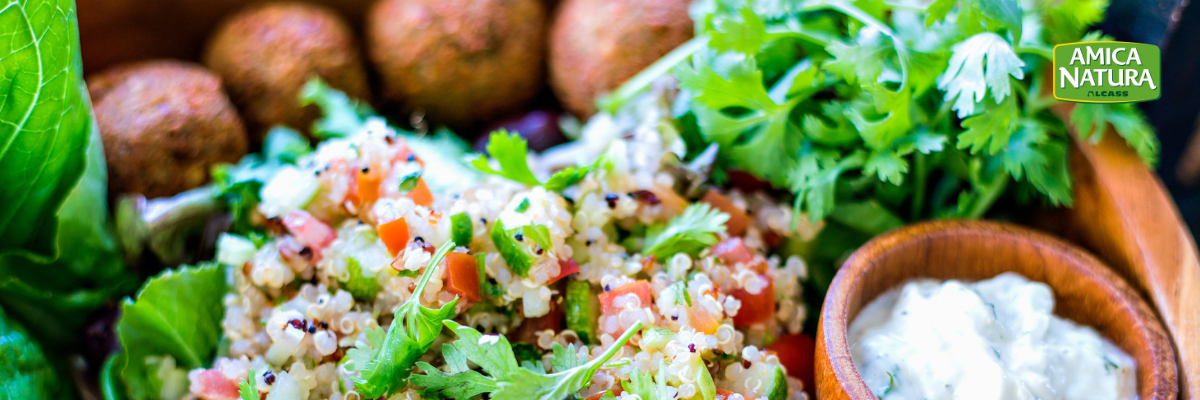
[
  {"x": 461, "y": 229},
  {"x": 581, "y": 317}
]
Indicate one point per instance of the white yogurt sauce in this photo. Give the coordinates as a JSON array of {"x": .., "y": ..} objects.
[{"x": 994, "y": 339}]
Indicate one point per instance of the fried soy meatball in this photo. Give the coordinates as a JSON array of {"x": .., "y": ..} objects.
[
  {"x": 596, "y": 45},
  {"x": 164, "y": 125},
  {"x": 266, "y": 53},
  {"x": 461, "y": 62}
]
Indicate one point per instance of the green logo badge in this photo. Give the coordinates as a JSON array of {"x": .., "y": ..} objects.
[{"x": 1107, "y": 72}]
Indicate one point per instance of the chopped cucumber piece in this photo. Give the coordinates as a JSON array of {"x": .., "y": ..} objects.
[
  {"x": 359, "y": 286},
  {"x": 517, "y": 245},
  {"x": 656, "y": 338},
  {"x": 581, "y": 318},
  {"x": 234, "y": 250},
  {"x": 291, "y": 189},
  {"x": 461, "y": 229},
  {"x": 779, "y": 386}
]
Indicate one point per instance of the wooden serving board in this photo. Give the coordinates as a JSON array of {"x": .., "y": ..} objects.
[{"x": 1123, "y": 214}]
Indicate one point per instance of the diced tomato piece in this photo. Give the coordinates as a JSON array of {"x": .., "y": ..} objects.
[
  {"x": 732, "y": 251},
  {"x": 796, "y": 353},
  {"x": 403, "y": 153},
  {"x": 211, "y": 384},
  {"x": 616, "y": 390},
  {"x": 462, "y": 275},
  {"x": 420, "y": 194},
  {"x": 309, "y": 230},
  {"x": 738, "y": 220},
  {"x": 565, "y": 267},
  {"x": 756, "y": 308},
  {"x": 394, "y": 235},
  {"x": 723, "y": 392},
  {"x": 701, "y": 320},
  {"x": 367, "y": 186},
  {"x": 640, "y": 288}
]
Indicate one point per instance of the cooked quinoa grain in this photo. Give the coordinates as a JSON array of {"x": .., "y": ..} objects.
[{"x": 573, "y": 269}]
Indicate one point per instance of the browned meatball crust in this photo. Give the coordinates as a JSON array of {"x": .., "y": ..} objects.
[
  {"x": 461, "y": 62},
  {"x": 164, "y": 125},
  {"x": 596, "y": 45},
  {"x": 266, "y": 53}
]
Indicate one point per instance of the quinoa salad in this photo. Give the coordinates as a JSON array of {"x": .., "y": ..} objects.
[{"x": 609, "y": 275}]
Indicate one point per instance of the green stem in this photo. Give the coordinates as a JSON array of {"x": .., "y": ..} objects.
[
  {"x": 1043, "y": 53},
  {"x": 596, "y": 363},
  {"x": 984, "y": 202},
  {"x": 627, "y": 91},
  {"x": 429, "y": 270},
  {"x": 857, "y": 13},
  {"x": 922, "y": 172},
  {"x": 817, "y": 38}
]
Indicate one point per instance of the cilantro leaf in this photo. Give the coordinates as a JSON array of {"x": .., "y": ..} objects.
[
  {"x": 967, "y": 79},
  {"x": 566, "y": 177},
  {"x": 1090, "y": 120},
  {"x": 690, "y": 232},
  {"x": 860, "y": 63},
  {"x": 814, "y": 179},
  {"x": 744, "y": 32},
  {"x": 565, "y": 358},
  {"x": 759, "y": 140},
  {"x": 459, "y": 383},
  {"x": 989, "y": 131},
  {"x": 506, "y": 380},
  {"x": 248, "y": 388},
  {"x": 1032, "y": 154},
  {"x": 383, "y": 364},
  {"x": 974, "y": 16},
  {"x": 343, "y": 116},
  {"x": 512, "y": 153},
  {"x": 641, "y": 384}
]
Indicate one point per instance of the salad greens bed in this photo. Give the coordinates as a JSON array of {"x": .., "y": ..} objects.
[{"x": 872, "y": 113}]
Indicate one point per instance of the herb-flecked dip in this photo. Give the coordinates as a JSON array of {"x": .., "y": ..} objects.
[{"x": 993, "y": 339}]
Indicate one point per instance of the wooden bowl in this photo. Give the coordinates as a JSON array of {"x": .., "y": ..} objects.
[{"x": 1085, "y": 291}]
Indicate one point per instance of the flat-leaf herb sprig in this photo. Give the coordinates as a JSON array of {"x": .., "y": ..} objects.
[{"x": 928, "y": 110}]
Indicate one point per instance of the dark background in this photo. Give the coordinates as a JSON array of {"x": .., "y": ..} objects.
[{"x": 1175, "y": 26}]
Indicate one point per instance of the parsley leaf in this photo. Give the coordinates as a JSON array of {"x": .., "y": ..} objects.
[
  {"x": 459, "y": 383},
  {"x": 690, "y": 232},
  {"x": 967, "y": 79},
  {"x": 248, "y": 388},
  {"x": 989, "y": 131},
  {"x": 512, "y": 153},
  {"x": 641, "y": 384},
  {"x": 505, "y": 379},
  {"x": 1090, "y": 120},
  {"x": 343, "y": 116},
  {"x": 383, "y": 364}
]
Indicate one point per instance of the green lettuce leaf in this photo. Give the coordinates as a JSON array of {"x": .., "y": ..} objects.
[
  {"x": 54, "y": 298},
  {"x": 25, "y": 372},
  {"x": 177, "y": 313},
  {"x": 44, "y": 123}
]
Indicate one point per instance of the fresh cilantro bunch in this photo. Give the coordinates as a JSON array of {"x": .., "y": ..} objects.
[{"x": 887, "y": 111}]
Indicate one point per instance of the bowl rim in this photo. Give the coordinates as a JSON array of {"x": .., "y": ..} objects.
[{"x": 833, "y": 347}]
